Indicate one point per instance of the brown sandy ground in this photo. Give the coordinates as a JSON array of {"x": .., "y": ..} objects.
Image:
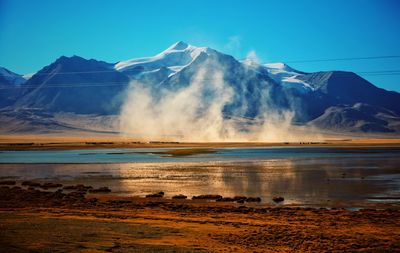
[
  {"x": 44, "y": 221},
  {"x": 49, "y": 142}
]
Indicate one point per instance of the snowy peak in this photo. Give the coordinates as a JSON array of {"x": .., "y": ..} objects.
[
  {"x": 180, "y": 55},
  {"x": 175, "y": 58},
  {"x": 181, "y": 48},
  {"x": 280, "y": 67},
  {"x": 178, "y": 46}
]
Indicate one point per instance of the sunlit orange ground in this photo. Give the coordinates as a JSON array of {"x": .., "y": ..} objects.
[{"x": 37, "y": 224}]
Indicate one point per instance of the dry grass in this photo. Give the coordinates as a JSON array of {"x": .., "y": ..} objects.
[
  {"x": 186, "y": 152},
  {"x": 65, "y": 142}
]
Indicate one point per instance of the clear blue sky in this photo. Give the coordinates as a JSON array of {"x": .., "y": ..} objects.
[{"x": 34, "y": 33}]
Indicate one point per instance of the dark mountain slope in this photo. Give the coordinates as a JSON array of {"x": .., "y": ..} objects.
[{"x": 74, "y": 84}]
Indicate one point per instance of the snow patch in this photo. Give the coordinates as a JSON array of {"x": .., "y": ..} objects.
[
  {"x": 175, "y": 58},
  {"x": 28, "y": 76},
  {"x": 287, "y": 76}
]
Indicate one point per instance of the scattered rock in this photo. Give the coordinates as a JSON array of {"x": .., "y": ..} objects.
[
  {"x": 121, "y": 201},
  {"x": 100, "y": 190},
  {"x": 179, "y": 196},
  {"x": 79, "y": 187},
  {"x": 278, "y": 199},
  {"x": 31, "y": 184},
  {"x": 240, "y": 198},
  {"x": 208, "y": 197},
  {"x": 253, "y": 199},
  {"x": 69, "y": 187},
  {"x": 226, "y": 199},
  {"x": 8, "y": 182},
  {"x": 76, "y": 195},
  {"x": 155, "y": 195},
  {"x": 50, "y": 185},
  {"x": 92, "y": 201}
]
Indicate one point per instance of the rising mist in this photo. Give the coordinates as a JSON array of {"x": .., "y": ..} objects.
[{"x": 196, "y": 112}]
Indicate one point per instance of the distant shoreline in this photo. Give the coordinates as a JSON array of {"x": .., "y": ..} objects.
[{"x": 21, "y": 142}]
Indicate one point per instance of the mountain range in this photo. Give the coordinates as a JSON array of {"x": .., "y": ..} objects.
[{"x": 94, "y": 91}]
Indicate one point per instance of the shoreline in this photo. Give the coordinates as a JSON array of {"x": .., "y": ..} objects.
[
  {"x": 103, "y": 222},
  {"x": 16, "y": 144},
  {"x": 104, "y": 193}
]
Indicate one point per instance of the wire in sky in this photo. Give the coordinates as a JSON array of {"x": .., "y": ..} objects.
[
  {"x": 110, "y": 84},
  {"x": 346, "y": 59},
  {"x": 66, "y": 85},
  {"x": 293, "y": 61}
]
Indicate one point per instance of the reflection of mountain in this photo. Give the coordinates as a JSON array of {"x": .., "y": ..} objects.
[
  {"x": 255, "y": 178},
  {"x": 329, "y": 100},
  {"x": 302, "y": 181},
  {"x": 317, "y": 180}
]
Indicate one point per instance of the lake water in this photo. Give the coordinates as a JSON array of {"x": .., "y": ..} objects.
[{"x": 303, "y": 175}]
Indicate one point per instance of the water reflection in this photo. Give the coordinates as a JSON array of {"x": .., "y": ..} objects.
[{"x": 305, "y": 180}]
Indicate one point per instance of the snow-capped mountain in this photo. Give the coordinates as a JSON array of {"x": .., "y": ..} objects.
[
  {"x": 173, "y": 58},
  {"x": 288, "y": 77},
  {"x": 163, "y": 65},
  {"x": 81, "y": 86}
]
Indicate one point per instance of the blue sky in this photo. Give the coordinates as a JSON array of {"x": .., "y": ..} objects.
[{"x": 34, "y": 33}]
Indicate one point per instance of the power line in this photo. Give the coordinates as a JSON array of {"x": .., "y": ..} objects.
[
  {"x": 378, "y": 71},
  {"x": 110, "y": 84},
  {"x": 383, "y": 74},
  {"x": 293, "y": 61},
  {"x": 84, "y": 72},
  {"x": 78, "y": 72},
  {"x": 346, "y": 59},
  {"x": 67, "y": 85}
]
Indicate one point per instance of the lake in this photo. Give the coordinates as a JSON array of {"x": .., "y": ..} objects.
[{"x": 303, "y": 175}]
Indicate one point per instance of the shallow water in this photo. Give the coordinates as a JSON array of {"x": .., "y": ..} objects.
[
  {"x": 302, "y": 175},
  {"x": 221, "y": 154}
]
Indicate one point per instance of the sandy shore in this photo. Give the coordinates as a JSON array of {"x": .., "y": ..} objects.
[
  {"x": 42, "y": 221},
  {"x": 49, "y": 142}
]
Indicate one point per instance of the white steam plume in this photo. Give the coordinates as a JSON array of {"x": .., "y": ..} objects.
[
  {"x": 252, "y": 56},
  {"x": 194, "y": 112}
]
